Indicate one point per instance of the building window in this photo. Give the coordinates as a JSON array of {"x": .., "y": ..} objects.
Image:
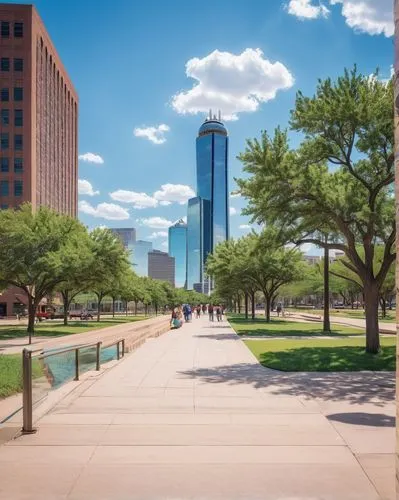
[
  {"x": 4, "y": 141},
  {"x": 18, "y": 93},
  {"x": 5, "y": 29},
  {"x": 4, "y": 165},
  {"x": 18, "y": 165},
  {"x": 3, "y": 188},
  {"x": 18, "y": 143},
  {"x": 18, "y": 188},
  {"x": 18, "y": 118},
  {"x": 5, "y": 64},
  {"x": 5, "y": 117},
  {"x": 3, "y": 206},
  {"x": 18, "y": 30},
  {"x": 18, "y": 64},
  {"x": 4, "y": 95}
]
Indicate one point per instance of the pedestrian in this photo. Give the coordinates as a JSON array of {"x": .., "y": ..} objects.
[
  {"x": 203, "y": 308},
  {"x": 175, "y": 321},
  {"x": 279, "y": 309},
  {"x": 210, "y": 312},
  {"x": 198, "y": 311},
  {"x": 219, "y": 313}
]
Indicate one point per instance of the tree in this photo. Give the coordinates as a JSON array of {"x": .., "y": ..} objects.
[
  {"x": 109, "y": 265},
  {"x": 37, "y": 251},
  {"x": 340, "y": 179}
]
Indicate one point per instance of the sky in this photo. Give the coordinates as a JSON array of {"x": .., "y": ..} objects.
[{"x": 147, "y": 73}]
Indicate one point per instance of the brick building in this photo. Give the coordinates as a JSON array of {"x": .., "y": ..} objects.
[{"x": 38, "y": 121}]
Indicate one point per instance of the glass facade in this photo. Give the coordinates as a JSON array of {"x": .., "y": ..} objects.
[
  {"x": 220, "y": 215},
  {"x": 178, "y": 250},
  {"x": 139, "y": 256}
]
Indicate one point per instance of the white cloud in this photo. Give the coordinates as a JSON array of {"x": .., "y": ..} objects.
[
  {"x": 156, "y": 222},
  {"x": 158, "y": 234},
  {"x": 245, "y": 226},
  {"x": 85, "y": 188},
  {"x": 307, "y": 9},
  {"x": 138, "y": 200},
  {"x": 232, "y": 83},
  {"x": 108, "y": 211},
  {"x": 91, "y": 158},
  {"x": 174, "y": 193},
  {"x": 374, "y": 17},
  {"x": 153, "y": 134},
  {"x": 233, "y": 211},
  {"x": 165, "y": 244},
  {"x": 235, "y": 195}
]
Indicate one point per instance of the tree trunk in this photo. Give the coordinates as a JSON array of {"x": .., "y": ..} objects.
[
  {"x": 239, "y": 304},
  {"x": 99, "y": 300},
  {"x": 246, "y": 305},
  {"x": 267, "y": 311},
  {"x": 253, "y": 305},
  {"x": 113, "y": 307},
  {"x": 135, "y": 307},
  {"x": 31, "y": 317},
  {"x": 156, "y": 310},
  {"x": 371, "y": 306},
  {"x": 126, "y": 308},
  {"x": 326, "y": 315},
  {"x": 66, "y": 306}
]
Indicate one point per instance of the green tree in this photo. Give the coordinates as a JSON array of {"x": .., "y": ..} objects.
[
  {"x": 37, "y": 252},
  {"x": 339, "y": 180}
]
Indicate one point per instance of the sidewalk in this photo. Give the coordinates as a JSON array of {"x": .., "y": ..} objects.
[
  {"x": 385, "y": 327},
  {"x": 192, "y": 415}
]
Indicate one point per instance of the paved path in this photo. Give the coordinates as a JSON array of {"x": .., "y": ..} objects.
[
  {"x": 385, "y": 327},
  {"x": 192, "y": 415}
]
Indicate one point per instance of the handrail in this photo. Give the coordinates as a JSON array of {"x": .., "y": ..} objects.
[{"x": 66, "y": 349}]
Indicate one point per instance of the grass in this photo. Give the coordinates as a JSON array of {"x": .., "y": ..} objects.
[
  {"x": 11, "y": 374},
  {"x": 345, "y": 313},
  {"x": 323, "y": 355},
  {"x": 51, "y": 328},
  {"x": 285, "y": 328}
]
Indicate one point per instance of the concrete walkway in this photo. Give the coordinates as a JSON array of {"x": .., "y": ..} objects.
[
  {"x": 192, "y": 415},
  {"x": 384, "y": 326}
]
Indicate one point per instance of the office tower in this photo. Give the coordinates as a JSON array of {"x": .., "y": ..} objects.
[
  {"x": 208, "y": 213},
  {"x": 38, "y": 116},
  {"x": 38, "y": 124},
  {"x": 178, "y": 250},
  {"x": 198, "y": 242},
  {"x": 126, "y": 234},
  {"x": 139, "y": 256},
  {"x": 161, "y": 266}
]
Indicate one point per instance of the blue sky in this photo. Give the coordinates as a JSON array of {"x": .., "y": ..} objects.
[{"x": 128, "y": 60}]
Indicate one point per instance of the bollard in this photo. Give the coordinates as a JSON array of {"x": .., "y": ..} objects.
[
  {"x": 118, "y": 355},
  {"x": 98, "y": 351},
  {"x": 123, "y": 348},
  {"x": 27, "y": 399}
]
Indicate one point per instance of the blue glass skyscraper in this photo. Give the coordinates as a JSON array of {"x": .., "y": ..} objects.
[
  {"x": 178, "y": 250},
  {"x": 208, "y": 213}
]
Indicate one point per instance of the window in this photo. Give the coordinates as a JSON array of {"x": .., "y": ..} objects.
[
  {"x": 18, "y": 93},
  {"x": 3, "y": 188},
  {"x": 18, "y": 144},
  {"x": 17, "y": 188},
  {"x": 18, "y": 118},
  {"x": 3, "y": 206},
  {"x": 18, "y": 30},
  {"x": 4, "y": 95},
  {"x": 5, "y": 29},
  {"x": 18, "y": 165},
  {"x": 5, "y": 64},
  {"x": 4, "y": 165},
  {"x": 4, "y": 117},
  {"x": 18, "y": 64},
  {"x": 4, "y": 141}
]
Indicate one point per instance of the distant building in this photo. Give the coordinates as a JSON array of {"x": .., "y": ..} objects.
[
  {"x": 126, "y": 234},
  {"x": 139, "y": 256},
  {"x": 178, "y": 250},
  {"x": 161, "y": 266},
  {"x": 312, "y": 259}
]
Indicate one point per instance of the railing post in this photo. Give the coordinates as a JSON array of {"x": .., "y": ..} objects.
[
  {"x": 118, "y": 355},
  {"x": 98, "y": 352},
  {"x": 27, "y": 399},
  {"x": 76, "y": 364},
  {"x": 123, "y": 348}
]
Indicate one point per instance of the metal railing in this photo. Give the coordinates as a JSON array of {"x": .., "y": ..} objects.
[{"x": 27, "y": 373}]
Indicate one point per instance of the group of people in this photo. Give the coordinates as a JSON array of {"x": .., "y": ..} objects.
[{"x": 186, "y": 311}]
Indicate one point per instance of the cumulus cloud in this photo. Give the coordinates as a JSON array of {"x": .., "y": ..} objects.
[
  {"x": 307, "y": 9},
  {"x": 108, "y": 211},
  {"x": 154, "y": 134},
  {"x": 91, "y": 158},
  {"x": 233, "y": 211},
  {"x": 85, "y": 188},
  {"x": 158, "y": 234},
  {"x": 174, "y": 193},
  {"x": 156, "y": 222},
  {"x": 245, "y": 226},
  {"x": 374, "y": 17},
  {"x": 232, "y": 83},
  {"x": 138, "y": 200}
]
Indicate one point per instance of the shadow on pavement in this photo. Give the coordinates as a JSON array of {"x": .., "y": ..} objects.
[{"x": 369, "y": 419}]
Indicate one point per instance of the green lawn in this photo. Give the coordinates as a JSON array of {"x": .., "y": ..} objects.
[
  {"x": 324, "y": 355},
  {"x": 285, "y": 328},
  {"x": 52, "y": 328},
  {"x": 345, "y": 313},
  {"x": 11, "y": 374}
]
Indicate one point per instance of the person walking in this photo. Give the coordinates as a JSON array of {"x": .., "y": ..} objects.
[
  {"x": 210, "y": 312},
  {"x": 203, "y": 308},
  {"x": 219, "y": 314}
]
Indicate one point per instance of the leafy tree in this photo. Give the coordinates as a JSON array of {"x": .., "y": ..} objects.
[
  {"x": 37, "y": 252},
  {"x": 340, "y": 179}
]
